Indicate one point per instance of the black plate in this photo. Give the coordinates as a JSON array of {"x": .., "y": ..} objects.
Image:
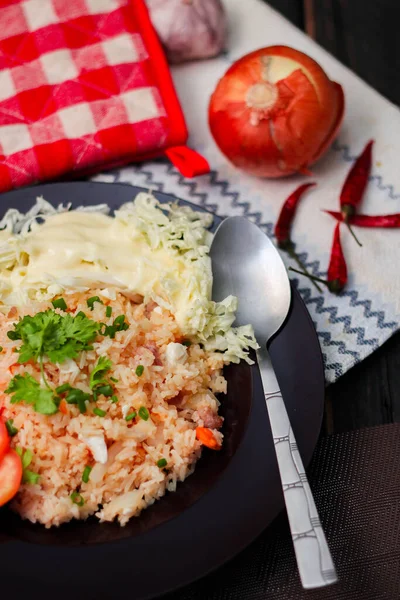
[{"x": 232, "y": 496}]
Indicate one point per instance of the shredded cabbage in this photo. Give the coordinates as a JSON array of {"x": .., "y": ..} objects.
[{"x": 178, "y": 230}]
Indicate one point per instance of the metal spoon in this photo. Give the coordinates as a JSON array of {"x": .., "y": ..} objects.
[{"x": 246, "y": 264}]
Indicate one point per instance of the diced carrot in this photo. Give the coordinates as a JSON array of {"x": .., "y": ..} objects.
[
  {"x": 207, "y": 438},
  {"x": 63, "y": 407}
]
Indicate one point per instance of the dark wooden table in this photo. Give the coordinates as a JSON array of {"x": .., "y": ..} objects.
[{"x": 364, "y": 36}]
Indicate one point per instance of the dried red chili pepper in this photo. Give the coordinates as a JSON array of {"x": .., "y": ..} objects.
[
  {"x": 284, "y": 224},
  {"x": 286, "y": 216},
  {"x": 387, "y": 221},
  {"x": 337, "y": 270},
  {"x": 354, "y": 186}
]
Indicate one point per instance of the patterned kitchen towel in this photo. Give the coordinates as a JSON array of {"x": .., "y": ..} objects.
[
  {"x": 354, "y": 324},
  {"x": 84, "y": 85}
]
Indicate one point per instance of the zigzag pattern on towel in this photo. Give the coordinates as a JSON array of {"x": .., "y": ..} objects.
[
  {"x": 345, "y": 152},
  {"x": 314, "y": 266},
  {"x": 149, "y": 178},
  {"x": 223, "y": 186}
]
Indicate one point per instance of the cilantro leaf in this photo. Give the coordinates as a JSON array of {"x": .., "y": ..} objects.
[
  {"x": 58, "y": 336},
  {"x": 45, "y": 403},
  {"x": 81, "y": 328},
  {"x": 79, "y": 332},
  {"x": 102, "y": 367},
  {"x": 25, "y": 388}
]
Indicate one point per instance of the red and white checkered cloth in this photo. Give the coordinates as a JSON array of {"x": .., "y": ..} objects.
[{"x": 84, "y": 85}]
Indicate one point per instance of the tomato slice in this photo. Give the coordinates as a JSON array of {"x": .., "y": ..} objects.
[
  {"x": 4, "y": 439},
  {"x": 10, "y": 476}
]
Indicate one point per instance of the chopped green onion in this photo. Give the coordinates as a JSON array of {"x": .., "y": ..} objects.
[
  {"x": 161, "y": 463},
  {"x": 186, "y": 343},
  {"x": 119, "y": 323},
  {"x": 10, "y": 428},
  {"x": 59, "y": 303},
  {"x": 99, "y": 412},
  {"x": 139, "y": 370},
  {"x": 82, "y": 405},
  {"x": 113, "y": 379},
  {"x": 131, "y": 416},
  {"x": 107, "y": 330},
  {"x": 144, "y": 413},
  {"x": 1, "y": 348},
  {"x": 90, "y": 301},
  {"x": 108, "y": 312},
  {"x": 77, "y": 396},
  {"x": 114, "y": 399},
  {"x": 27, "y": 459},
  {"x": 65, "y": 387},
  {"x": 77, "y": 498},
  {"x": 106, "y": 390},
  {"x": 19, "y": 451},
  {"x": 86, "y": 474},
  {"x": 30, "y": 477},
  {"x": 13, "y": 335}
]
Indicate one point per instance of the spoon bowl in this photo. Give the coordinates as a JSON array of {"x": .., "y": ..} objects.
[{"x": 247, "y": 265}]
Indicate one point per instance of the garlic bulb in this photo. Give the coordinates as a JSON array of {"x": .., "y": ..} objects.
[{"x": 189, "y": 29}]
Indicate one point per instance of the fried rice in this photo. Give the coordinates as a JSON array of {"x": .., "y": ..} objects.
[{"x": 178, "y": 388}]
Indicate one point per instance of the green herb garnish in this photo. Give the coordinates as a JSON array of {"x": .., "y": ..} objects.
[
  {"x": 106, "y": 390},
  {"x": 65, "y": 387},
  {"x": 77, "y": 396},
  {"x": 130, "y": 416},
  {"x": 59, "y": 303},
  {"x": 24, "y": 388},
  {"x": 30, "y": 477},
  {"x": 86, "y": 474},
  {"x": 114, "y": 399},
  {"x": 99, "y": 412},
  {"x": 139, "y": 370},
  {"x": 102, "y": 367},
  {"x": 144, "y": 413},
  {"x": 90, "y": 301},
  {"x": 26, "y": 459},
  {"x": 113, "y": 379},
  {"x": 10, "y": 427},
  {"x": 57, "y": 336},
  {"x": 108, "y": 312},
  {"x": 161, "y": 463},
  {"x": 77, "y": 498},
  {"x": 119, "y": 324}
]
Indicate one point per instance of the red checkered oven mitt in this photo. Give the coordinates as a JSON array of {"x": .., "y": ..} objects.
[{"x": 84, "y": 85}]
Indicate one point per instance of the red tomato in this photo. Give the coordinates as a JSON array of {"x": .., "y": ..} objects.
[
  {"x": 10, "y": 476},
  {"x": 4, "y": 439}
]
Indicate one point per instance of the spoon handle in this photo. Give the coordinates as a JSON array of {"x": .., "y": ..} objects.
[{"x": 314, "y": 561}]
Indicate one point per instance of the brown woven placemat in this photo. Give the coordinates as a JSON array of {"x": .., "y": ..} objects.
[{"x": 355, "y": 478}]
